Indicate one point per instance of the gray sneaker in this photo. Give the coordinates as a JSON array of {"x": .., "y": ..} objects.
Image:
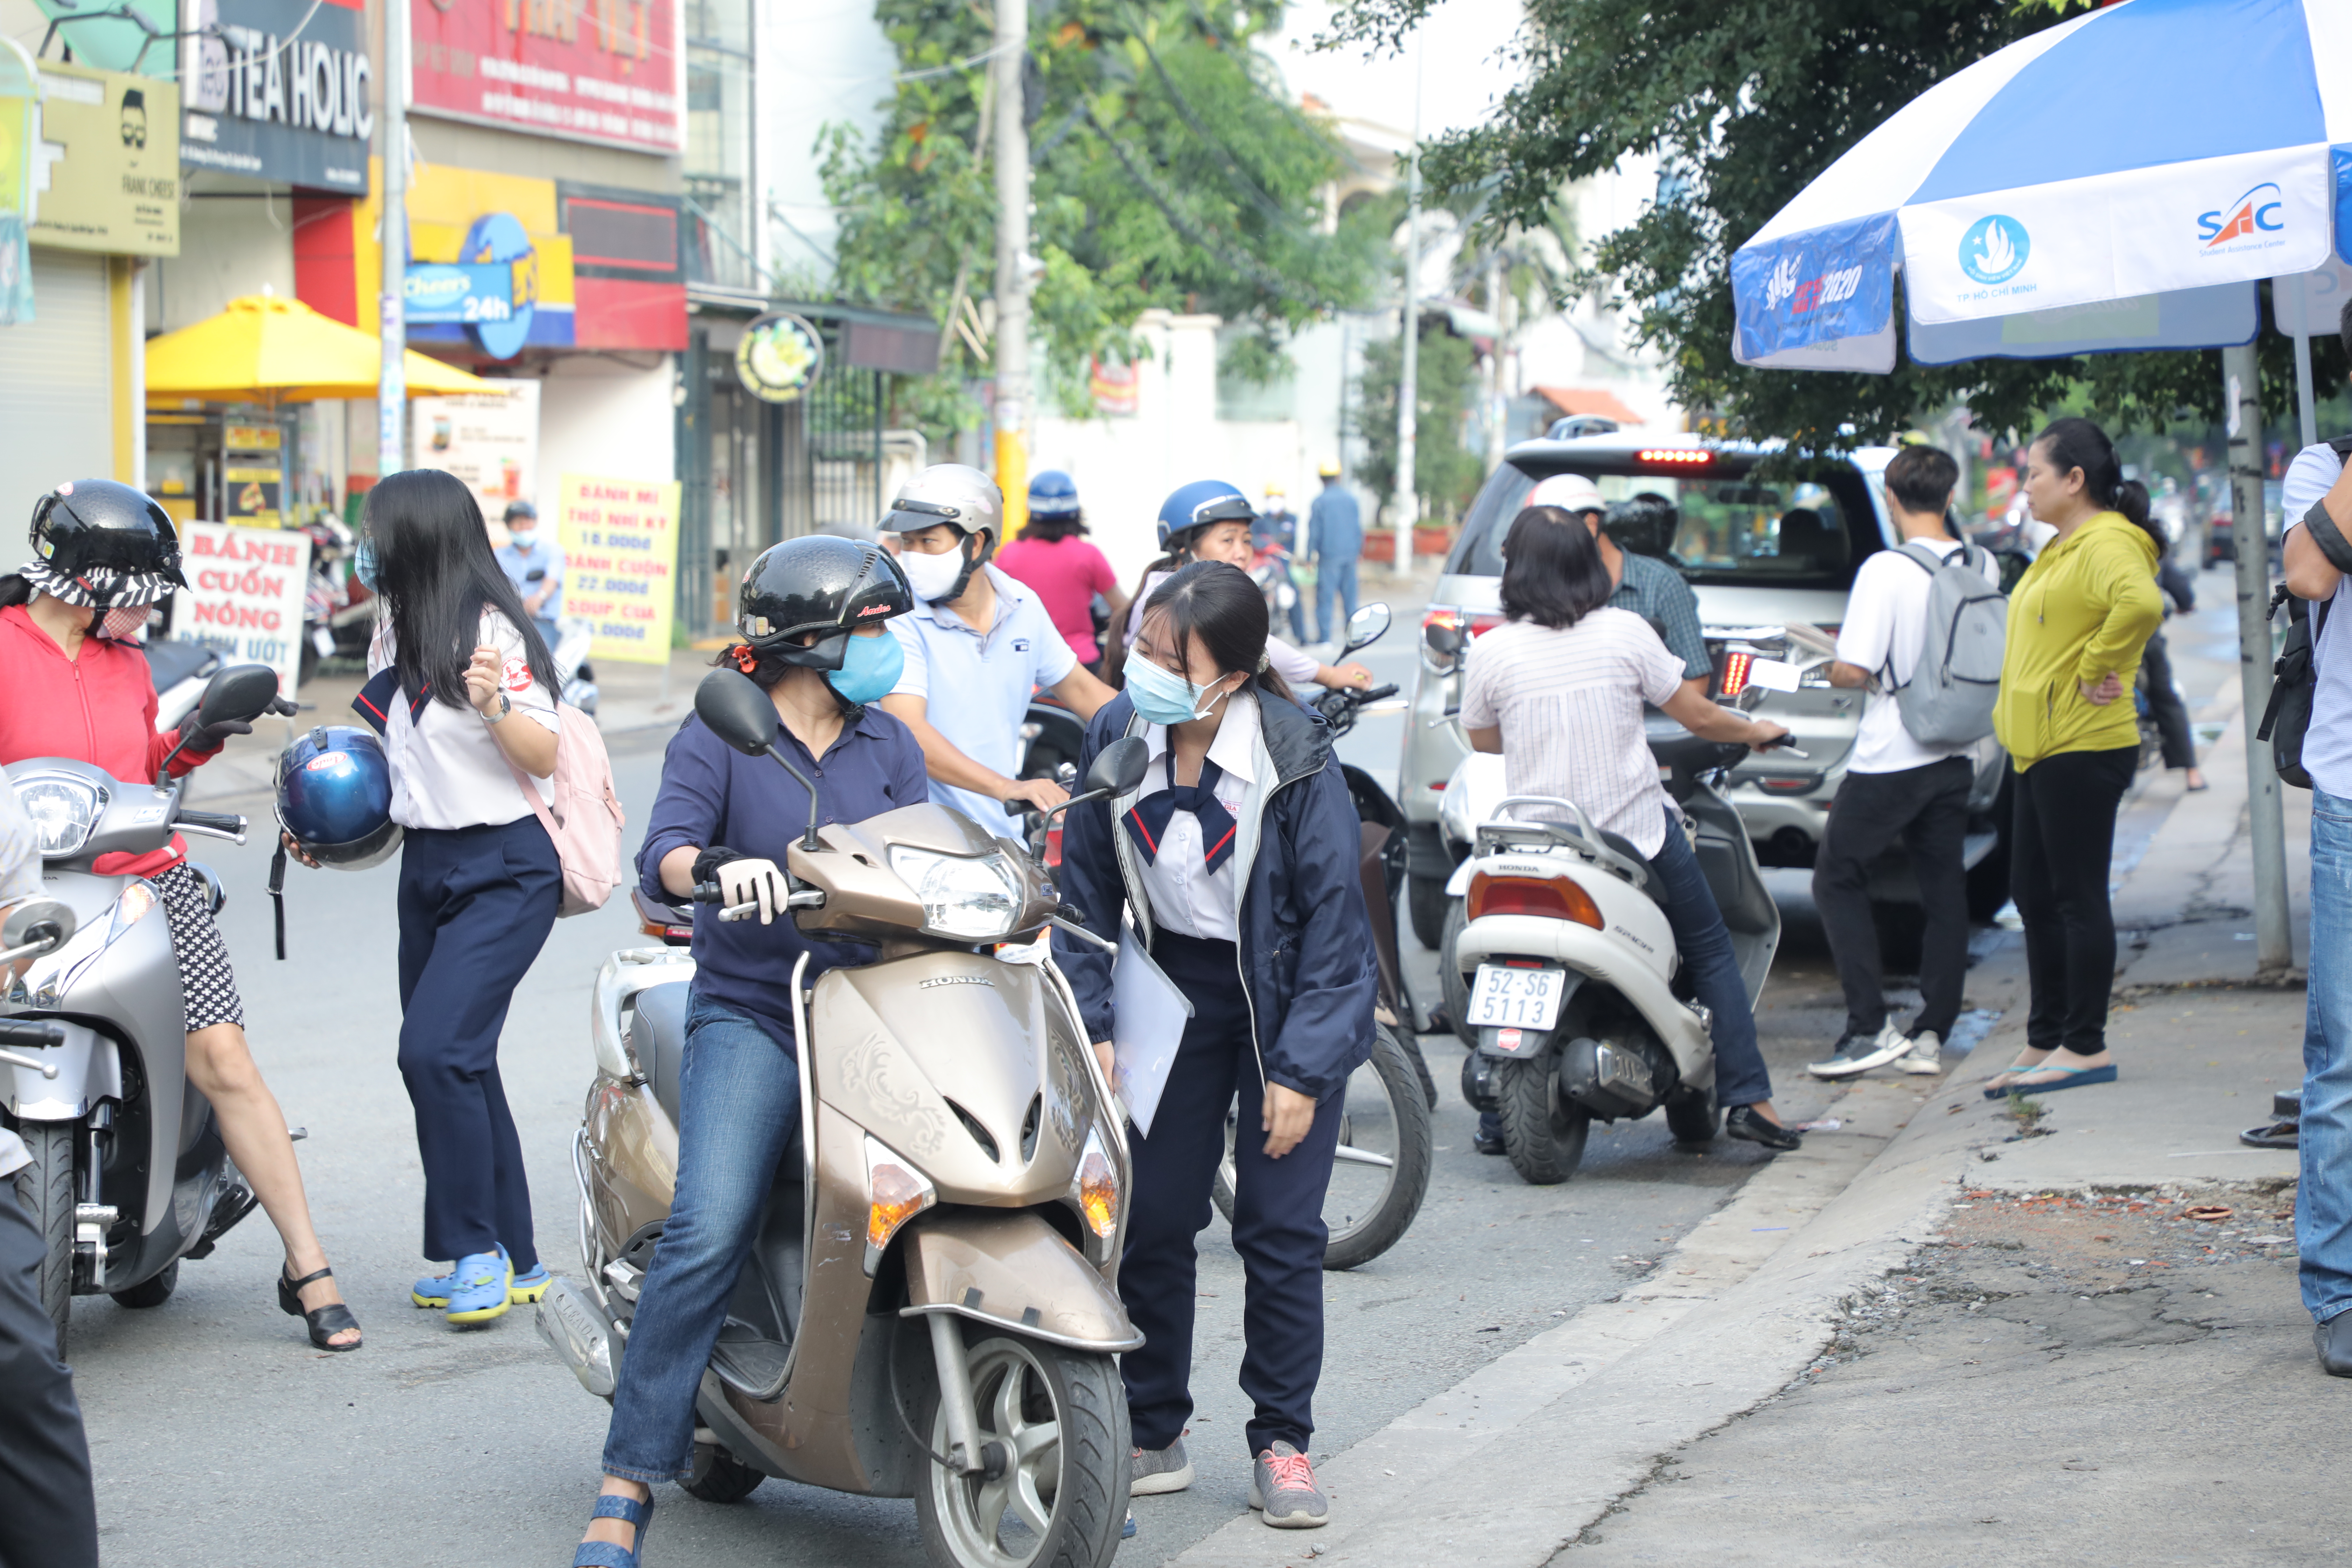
[
  {"x": 1925, "y": 1056},
  {"x": 1154, "y": 1470},
  {"x": 1857, "y": 1054},
  {"x": 1282, "y": 1487}
]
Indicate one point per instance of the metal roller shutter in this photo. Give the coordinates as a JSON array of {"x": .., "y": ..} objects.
[{"x": 57, "y": 420}]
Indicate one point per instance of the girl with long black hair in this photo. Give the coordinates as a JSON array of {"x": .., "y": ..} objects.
[{"x": 466, "y": 689}]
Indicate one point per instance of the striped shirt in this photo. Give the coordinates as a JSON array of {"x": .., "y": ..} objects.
[{"x": 1569, "y": 705}]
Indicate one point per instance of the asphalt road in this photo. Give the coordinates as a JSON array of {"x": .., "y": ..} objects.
[{"x": 218, "y": 1432}]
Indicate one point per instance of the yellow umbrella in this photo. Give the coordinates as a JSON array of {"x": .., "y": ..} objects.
[{"x": 276, "y": 350}]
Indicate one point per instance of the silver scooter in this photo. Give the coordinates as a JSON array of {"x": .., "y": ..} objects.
[{"x": 128, "y": 1173}]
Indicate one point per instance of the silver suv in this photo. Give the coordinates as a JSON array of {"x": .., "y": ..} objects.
[{"x": 1760, "y": 553}]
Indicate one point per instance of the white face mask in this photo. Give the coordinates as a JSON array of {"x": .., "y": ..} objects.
[
  {"x": 933, "y": 577},
  {"x": 522, "y": 538}
]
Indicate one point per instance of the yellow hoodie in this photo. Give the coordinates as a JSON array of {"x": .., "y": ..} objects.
[{"x": 2084, "y": 608}]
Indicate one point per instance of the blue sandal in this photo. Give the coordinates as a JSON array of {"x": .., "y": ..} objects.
[
  {"x": 2071, "y": 1078},
  {"x": 604, "y": 1554}
]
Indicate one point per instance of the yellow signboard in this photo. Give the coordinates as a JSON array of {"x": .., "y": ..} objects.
[
  {"x": 620, "y": 562},
  {"x": 108, "y": 168}
]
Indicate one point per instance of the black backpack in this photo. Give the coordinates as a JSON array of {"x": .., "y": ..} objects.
[{"x": 2295, "y": 678}]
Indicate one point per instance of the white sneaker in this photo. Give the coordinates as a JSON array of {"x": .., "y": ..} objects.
[
  {"x": 1925, "y": 1055},
  {"x": 1857, "y": 1054}
]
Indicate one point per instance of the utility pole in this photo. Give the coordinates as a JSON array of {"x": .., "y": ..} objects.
[
  {"x": 392, "y": 383},
  {"x": 1408, "y": 499},
  {"x": 1006, "y": 69},
  {"x": 1497, "y": 399},
  {"x": 2265, "y": 811}
]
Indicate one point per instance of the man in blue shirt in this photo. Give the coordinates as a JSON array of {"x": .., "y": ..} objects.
[
  {"x": 979, "y": 643},
  {"x": 1334, "y": 539},
  {"x": 1649, "y": 588},
  {"x": 535, "y": 567}
]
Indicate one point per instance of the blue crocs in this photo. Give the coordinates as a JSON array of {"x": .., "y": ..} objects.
[
  {"x": 433, "y": 1289},
  {"x": 478, "y": 1287},
  {"x": 525, "y": 1288},
  {"x": 604, "y": 1554}
]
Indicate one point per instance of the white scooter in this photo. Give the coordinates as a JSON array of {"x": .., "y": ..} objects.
[
  {"x": 1574, "y": 998},
  {"x": 575, "y": 634}
]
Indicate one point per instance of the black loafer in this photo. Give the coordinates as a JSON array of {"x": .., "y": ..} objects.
[
  {"x": 2333, "y": 1340},
  {"x": 1486, "y": 1146},
  {"x": 1744, "y": 1122}
]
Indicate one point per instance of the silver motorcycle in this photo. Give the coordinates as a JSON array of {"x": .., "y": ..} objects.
[{"x": 129, "y": 1175}]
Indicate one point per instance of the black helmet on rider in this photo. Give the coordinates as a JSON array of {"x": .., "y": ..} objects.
[
  {"x": 98, "y": 544},
  {"x": 818, "y": 583}
]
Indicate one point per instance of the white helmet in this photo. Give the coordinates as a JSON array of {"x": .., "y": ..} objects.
[{"x": 948, "y": 492}]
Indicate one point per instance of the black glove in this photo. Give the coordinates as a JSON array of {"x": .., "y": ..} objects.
[
  {"x": 212, "y": 737},
  {"x": 706, "y": 864}
]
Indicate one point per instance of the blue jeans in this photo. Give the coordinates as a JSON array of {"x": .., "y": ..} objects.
[
  {"x": 740, "y": 1097},
  {"x": 2323, "y": 1207},
  {"x": 1705, "y": 944},
  {"x": 1334, "y": 579}
]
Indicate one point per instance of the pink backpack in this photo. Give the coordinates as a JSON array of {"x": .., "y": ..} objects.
[{"x": 587, "y": 819}]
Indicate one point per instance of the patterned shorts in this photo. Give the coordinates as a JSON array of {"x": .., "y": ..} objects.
[{"x": 207, "y": 984}]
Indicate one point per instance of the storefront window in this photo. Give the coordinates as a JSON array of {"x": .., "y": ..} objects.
[{"x": 719, "y": 162}]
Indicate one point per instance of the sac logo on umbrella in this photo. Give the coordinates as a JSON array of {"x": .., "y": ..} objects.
[
  {"x": 2251, "y": 216},
  {"x": 1995, "y": 248}
]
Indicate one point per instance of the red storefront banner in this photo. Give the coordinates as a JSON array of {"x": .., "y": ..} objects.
[{"x": 592, "y": 70}]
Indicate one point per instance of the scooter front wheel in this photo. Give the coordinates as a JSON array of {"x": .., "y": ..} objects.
[
  {"x": 1057, "y": 1422},
  {"x": 45, "y": 1190},
  {"x": 1543, "y": 1131}
]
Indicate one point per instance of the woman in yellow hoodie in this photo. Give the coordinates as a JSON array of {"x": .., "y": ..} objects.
[{"x": 2077, "y": 621}]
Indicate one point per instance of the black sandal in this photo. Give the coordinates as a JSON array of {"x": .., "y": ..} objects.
[
  {"x": 325, "y": 1321},
  {"x": 1745, "y": 1121}
]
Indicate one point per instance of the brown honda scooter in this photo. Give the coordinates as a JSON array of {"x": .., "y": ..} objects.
[{"x": 930, "y": 1307}]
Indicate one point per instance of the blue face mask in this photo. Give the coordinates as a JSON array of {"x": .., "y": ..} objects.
[
  {"x": 870, "y": 668},
  {"x": 363, "y": 564},
  {"x": 1161, "y": 697}
]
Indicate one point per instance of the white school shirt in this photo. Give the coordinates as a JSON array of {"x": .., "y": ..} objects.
[
  {"x": 1296, "y": 669},
  {"x": 1186, "y": 897},
  {"x": 447, "y": 769},
  {"x": 2328, "y": 744},
  {"x": 1885, "y": 625}
]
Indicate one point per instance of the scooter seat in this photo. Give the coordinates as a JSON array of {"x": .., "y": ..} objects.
[
  {"x": 658, "y": 1039},
  {"x": 1624, "y": 846}
]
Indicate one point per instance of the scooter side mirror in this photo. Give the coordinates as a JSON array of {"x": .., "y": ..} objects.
[
  {"x": 736, "y": 710},
  {"x": 1120, "y": 767},
  {"x": 1441, "y": 639},
  {"x": 1365, "y": 627},
  {"x": 238, "y": 694},
  {"x": 39, "y": 925}
]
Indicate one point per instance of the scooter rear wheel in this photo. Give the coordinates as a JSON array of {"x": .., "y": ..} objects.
[
  {"x": 1543, "y": 1133},
  {"x": 718, "y": 1475},
  {"x": 1058, "y": 1418}
]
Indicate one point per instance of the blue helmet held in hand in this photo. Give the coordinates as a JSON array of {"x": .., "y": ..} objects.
[
  {"x": 334, "y": 795},
  {"x": 1199, "y": 504}
]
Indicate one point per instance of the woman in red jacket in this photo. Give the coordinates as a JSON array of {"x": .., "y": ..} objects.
[{"x": 77, "y": 688}]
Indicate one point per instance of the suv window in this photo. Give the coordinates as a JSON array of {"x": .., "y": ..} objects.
[{"x": 1799, "y": 533}]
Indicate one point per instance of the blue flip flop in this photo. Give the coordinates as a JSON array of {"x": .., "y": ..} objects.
[{"x": 2076, "y": 1077}]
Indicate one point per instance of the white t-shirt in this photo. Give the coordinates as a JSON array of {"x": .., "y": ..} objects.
[
  {"x": 447, "y": 769},
  {"x": 2327, "y": 743},
  {"x": 1569, "y": 705},
  {"x": 1886, "y": 623}
]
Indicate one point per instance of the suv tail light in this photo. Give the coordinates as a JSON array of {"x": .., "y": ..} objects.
[
  {"x": 1554, "y": 897},
  {"x": 1731, "y": 672},
  {"x": 1476, "y": 625}
]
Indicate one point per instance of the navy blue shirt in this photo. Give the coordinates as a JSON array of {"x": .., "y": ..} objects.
[
  {"x": 713, "y": 793},
  {"x": 1335, "y": 528}
]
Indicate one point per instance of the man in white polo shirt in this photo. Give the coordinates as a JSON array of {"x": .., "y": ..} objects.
[
  {"x": 977, "y": 645},
  {"x": 1897, "y": 789}
]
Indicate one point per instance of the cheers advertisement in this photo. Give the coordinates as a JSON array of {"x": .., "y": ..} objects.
[
  {"x": 244, "y": 594},
  {"x": 594, "y": 71},
  {"x": 620, "y": 562}
]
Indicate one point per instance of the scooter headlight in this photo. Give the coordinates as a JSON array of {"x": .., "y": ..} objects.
[
  {"x": 969, "y": 898},
  {"x": 895, "y": 1193},
  {"x": 65, "y": 812},
  {"x": 1096, "y": 1188}
]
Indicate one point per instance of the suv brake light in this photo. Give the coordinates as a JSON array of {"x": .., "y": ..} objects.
[
  {"x": 1554, "y": 897},
  {"x": 1731, "y": 674}
]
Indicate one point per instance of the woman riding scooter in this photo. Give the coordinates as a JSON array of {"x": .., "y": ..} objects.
[
  {"x": 1558, "y": 690},
  {"x": 1237, "y": 858},
  {"x": 1209, "y": 520},
  {"x": 811, "y": 613},
  {"x": 77, "y": 686}
]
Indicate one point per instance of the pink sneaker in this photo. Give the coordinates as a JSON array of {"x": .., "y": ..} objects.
[{"x": 1282, "y": 1486}]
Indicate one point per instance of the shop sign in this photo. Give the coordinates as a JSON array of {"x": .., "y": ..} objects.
[
  {"x": 278, "y": 89},
  {"x": 620, "y": 564},
  {"x": 778, "y": 357},
  {"x": 592, "y": 70},
  {"x": 245, "y": 594},
  {"x": 19, "y": 91},
  {"x": 107, "y": 162},
  {"x": 490, "y": 289},
  {"x": 488, "y": 439}
]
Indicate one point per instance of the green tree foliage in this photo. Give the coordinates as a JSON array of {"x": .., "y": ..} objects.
[
  {"x": 1169, "y": 169},
  {"x": 1745, "y": 102},
  {"x": 1445, "y": 474}
]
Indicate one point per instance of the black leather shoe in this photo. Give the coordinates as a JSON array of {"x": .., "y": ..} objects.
[
  {"x": 1486, "y": 1146},
  {"x": 2332, "y": 1339},
  {"x": 1744, "y": 1122}
]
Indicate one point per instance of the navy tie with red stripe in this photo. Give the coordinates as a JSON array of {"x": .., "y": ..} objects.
[{"x": 1147, "y": 821}]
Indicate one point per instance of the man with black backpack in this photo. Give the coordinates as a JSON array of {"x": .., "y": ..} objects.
[{"x": 1922, "y": 633}]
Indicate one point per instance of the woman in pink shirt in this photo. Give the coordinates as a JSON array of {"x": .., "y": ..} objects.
[{"x": 1067, "y": 571}]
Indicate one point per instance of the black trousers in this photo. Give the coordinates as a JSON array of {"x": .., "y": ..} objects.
[
  {"x": 1277, "y": 1220},
  {"x": 48, "y": 1514},
  {"x": 2164, "y": 704},
  {"x": 1928, "y": 809},
  {"x": 2062, "y": 846}
]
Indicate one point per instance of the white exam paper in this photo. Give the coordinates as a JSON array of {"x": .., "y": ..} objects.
[{"x": 1148, "y": 1017}]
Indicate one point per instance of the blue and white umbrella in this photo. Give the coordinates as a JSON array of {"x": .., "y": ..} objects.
[{"x": 2118, "y": 181}]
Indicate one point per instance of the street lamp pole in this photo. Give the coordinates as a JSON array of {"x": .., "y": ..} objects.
[
  {"x": 1407, "y": 500},
  {"x": 2265, "y": 810},
  {"x": 392, "y": 383},
  {"x": 1011, "y": 247}
]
